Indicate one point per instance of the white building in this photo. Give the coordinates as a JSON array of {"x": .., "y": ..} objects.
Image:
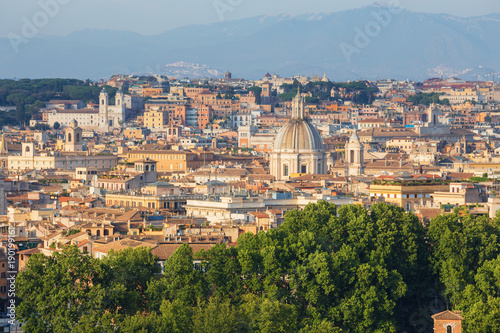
[
  {"x": 298, "y": 147},
  {"x": 30, "y": 159},
  {"x": 107, "y": 118}
]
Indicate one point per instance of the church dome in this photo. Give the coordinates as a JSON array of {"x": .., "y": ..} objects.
[{"x": 297, "y": 135}]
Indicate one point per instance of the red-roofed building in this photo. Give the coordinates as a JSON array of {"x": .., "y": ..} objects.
[{"x": 448, "y": 322}]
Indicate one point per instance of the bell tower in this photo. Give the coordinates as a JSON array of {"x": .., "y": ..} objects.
[
  {"x": 103, "y": 109},
  {"x": 73, "y": 137},
  {"x": 354, "y": 155}
]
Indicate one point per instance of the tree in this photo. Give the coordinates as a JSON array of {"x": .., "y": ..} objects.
[
  {"x": 57, "y": 291},
  {"x": 481, "y": 301},
  {"x": 20, "y": 112},
  {"x": 269, "y": 316},
  {"x": 460, "y": 246},
  {"x": 35, "y": 108},
  {"x": 223, "y": 271},
  {"x": 428, "y": 99},
  {"x": 257, "y": 91},
  {"x": 127, "y": 273},
  {"x": 218, "y": 316},
  {"x": 180, "y": 282},
  {"x": 57, "y": 125},
  {"x": 386, "y": 246}
]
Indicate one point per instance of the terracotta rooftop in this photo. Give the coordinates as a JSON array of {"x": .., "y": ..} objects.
[
  {"x": 122, "y": 244},
  {"x": 447, "y": 315},
  {"x": 165, "y": 251}
]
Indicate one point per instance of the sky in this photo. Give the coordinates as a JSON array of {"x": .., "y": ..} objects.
[{"x": 147, "y": 17}]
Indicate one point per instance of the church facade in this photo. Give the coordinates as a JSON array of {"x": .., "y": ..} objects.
[
  {"x": 111, "y": 116},
  {"x": 298, "y": 147},
  {"x": 107, "y": 118}
]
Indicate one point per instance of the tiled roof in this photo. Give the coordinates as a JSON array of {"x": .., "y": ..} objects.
[
  {"x": 122, "y": 244},
  {"x": 447, "y": 315},
  {"x": 165, "y": 251}
]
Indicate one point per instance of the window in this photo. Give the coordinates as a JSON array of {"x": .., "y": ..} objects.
[
  {"x": 449, "y": 329},
  {"x": 4, "y": 289},
  {"x": 303, "y": 169},
  {"x": 285, "y": 170}
]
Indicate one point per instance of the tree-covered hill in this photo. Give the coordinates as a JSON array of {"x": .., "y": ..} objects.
[{"x": 28, "y": 96}]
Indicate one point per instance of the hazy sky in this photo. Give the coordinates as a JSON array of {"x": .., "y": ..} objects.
[{"x": 154, "y": 16}]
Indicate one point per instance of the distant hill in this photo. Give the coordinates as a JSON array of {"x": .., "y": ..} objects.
[{"x": 408, "y": 45}]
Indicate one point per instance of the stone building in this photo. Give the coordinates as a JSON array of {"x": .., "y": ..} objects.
[
  {"x": 354, "y": 156},
  {"x": 73, "y": 135},
  {"x": 298, "y": 147}
]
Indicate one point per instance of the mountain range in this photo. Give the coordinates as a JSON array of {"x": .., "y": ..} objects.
[{"x": 370, "y": 42}]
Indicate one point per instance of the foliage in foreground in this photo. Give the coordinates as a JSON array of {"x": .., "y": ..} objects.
[{"x": 323, "y": 270}]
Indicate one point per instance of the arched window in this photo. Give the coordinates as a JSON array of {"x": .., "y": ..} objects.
[
  {"x": 69, "y": 137},
  {"x": 147, "y": 168},
  {"x": 77, "y": 137},
  {"x": 152, "y": 168},
  {"x": 27, "y": 149},
  {"x": 352, "y": 157},
  {"x": 102, "y": 101},
  {"x": 449, "y": 329},
  {"x": 98, "y": 233}
]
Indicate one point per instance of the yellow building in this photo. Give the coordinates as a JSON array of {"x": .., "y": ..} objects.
[
  {"x": 480, "y": 168},
  {"x": 155, "y": 118},
  {"x": 406, "y": 196},
  {"x": 149, "y": 92},
  {"x": 155, "y": 202},
  {"x": 134, "y": 133},
  {"x": 168, "y": 160}
]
